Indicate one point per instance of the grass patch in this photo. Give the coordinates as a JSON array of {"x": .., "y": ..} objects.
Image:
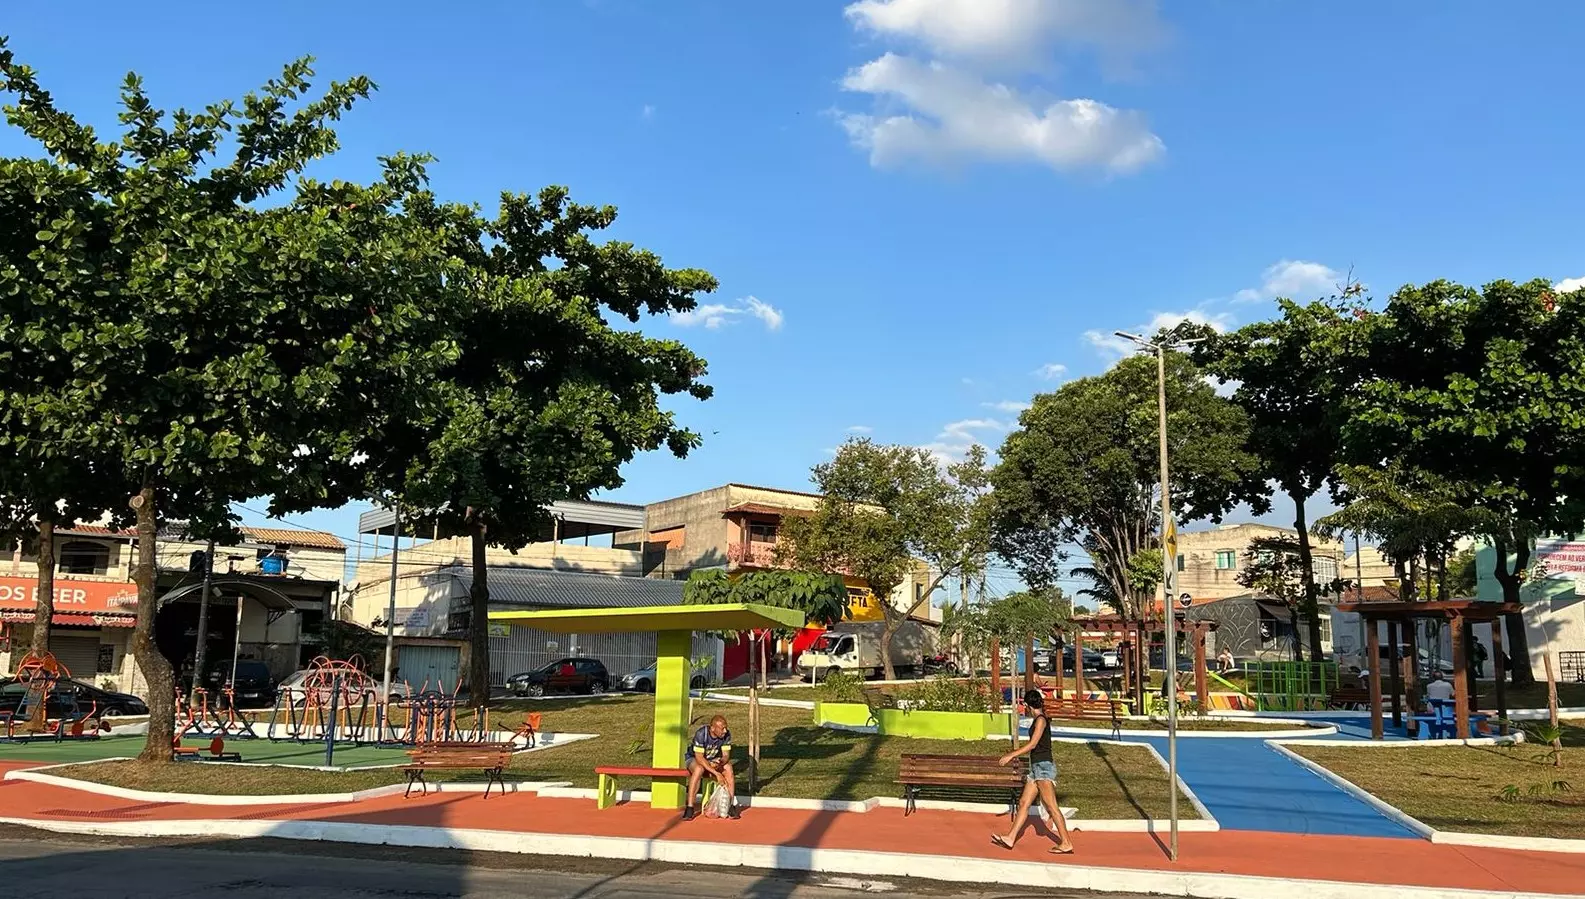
[
  {"x": 1459, "y": 787},
  {"x": 797, "y": 760}
]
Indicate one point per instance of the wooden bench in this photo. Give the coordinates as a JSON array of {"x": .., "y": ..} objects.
[
  {"x": 1350, "y": 698},
  {"x": 490, "y": 758},
  {"x": 1083, "y": 708},
  {"x": 877, "y": 700},
  {"x": 605, "y": 792},
  {"x": 915, "y": 772}
]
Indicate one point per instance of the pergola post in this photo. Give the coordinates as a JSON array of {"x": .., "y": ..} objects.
[
  {"x": 1394, "y": 670},
  {"x": 1373, "y": 654},
  {"x": 1078, "y": 663},
  {"x": 1474, "y": 683},
  {"x": 1056, "y": 655},
  {"x": 1411, "y": 675},
  {"x": 671, "y": 713},
  {"x": 1500, "y": 670},
  {"x": 1201, "y": 688},
  {"x": 1460, "y": 679}
]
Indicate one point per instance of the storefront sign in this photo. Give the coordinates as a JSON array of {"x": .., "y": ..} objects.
[
  {"x": 413, "y": 618},
  {"x": 21, "y": 593},
  {"x": 500, "y": 630}
]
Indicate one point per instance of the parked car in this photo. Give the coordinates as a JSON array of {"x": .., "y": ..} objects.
[
  {"x": 73, "y": 697},
  {"x": 253, "y": 686},
  {"x": 1092, "y": 659},
  {"x": 561, "y": 676},
  {"x": 1111, "y": 658},
  {"x": 643, "y": 680}
]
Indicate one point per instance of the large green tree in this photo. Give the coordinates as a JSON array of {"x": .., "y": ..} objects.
[
  {"x": 884, "y": 512},
  {"x": 1291, "y": 376},
  {"x": 1480, "y": 390},
  {"x": 822, "y": 598},
  {"x": 234, "y": 326},
  {"x": 1083, "y": 468},
  {"x": 547, "y": 397}
]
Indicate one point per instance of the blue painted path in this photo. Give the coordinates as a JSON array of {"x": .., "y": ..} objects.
[{"x": 1249, "y": 785}]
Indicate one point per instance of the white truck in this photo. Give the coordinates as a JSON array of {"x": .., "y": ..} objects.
[{"x": 855, "y": 647}]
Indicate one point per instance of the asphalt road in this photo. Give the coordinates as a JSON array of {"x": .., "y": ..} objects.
[{"x": 48, "y": 866}]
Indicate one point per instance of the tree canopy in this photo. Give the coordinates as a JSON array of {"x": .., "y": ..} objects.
[
  {"x": 884, "y": 512},
  {"x": 1083, "y": 468}
]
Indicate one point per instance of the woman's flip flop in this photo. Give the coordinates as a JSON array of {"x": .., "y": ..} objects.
[
  {"x": 1001, "y": 841},
  {"x": 1058, "y": 850}
]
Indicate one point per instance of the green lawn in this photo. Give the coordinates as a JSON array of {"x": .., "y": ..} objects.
[
  {"x": 1457, "y": 787},
  {"x": 261, "y": 751},
  {"x": 797, "y": 759}
]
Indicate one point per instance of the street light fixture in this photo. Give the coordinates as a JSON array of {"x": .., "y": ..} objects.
[{"x": 1169, "y": 541}]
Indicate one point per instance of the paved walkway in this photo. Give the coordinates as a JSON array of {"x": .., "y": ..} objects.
[{"x": 943, "y": 845}]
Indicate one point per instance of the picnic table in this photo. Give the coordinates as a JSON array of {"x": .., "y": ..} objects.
[{"x": 1441, "y": 723}]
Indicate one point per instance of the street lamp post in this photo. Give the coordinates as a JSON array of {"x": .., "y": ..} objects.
[{"x": 1169, "y": 568}]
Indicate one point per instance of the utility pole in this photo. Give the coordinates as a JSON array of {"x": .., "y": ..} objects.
[
  {"x": 1168, "y": 578},
  {"x": 200, "y": 651},
  {"x": 390, "y": 611}
]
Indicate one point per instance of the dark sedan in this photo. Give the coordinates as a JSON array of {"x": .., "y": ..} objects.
[
  {"x": 562, "y": 676},
  {"x": 73, "y": 697}
]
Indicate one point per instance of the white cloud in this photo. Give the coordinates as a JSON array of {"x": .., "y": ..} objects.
[
  {"x": 1010, "y": 407},
  {"x": 1569, "y": 285},
  {"x": 861, "y": 429},
  {"x": 956, "y": 438},
  {"x": 954, "y": 116},
  {"x": 765, "y": 312},
  {"x": 1294, "y": 279},
  {"x": 1051, "y": 371},
  {"x": 1012, "y": 32},
  {"x": 716, "y": 315},
  {"x": 1112, "y": 345}
]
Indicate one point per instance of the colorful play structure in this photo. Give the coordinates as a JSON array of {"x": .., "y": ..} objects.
[{"x": 42, "y": 676}]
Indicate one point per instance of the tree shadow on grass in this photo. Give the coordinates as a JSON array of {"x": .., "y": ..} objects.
[{"x": 804, "y": 744}]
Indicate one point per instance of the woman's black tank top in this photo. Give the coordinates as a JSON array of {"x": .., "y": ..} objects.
[{"x": 1042, "y": 750}]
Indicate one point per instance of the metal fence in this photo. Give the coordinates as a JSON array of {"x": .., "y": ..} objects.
[{"x": 526, "y": 649}]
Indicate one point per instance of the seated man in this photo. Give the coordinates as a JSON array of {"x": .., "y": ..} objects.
[
  {"x": 1438, "y": 688},
  {"x": 712, "y": 755}
]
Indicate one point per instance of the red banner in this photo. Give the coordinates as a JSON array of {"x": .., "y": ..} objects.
[{"x": 90, "y": 597}]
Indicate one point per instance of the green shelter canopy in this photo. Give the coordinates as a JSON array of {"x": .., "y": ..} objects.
[{"x": 725, "y": 617}]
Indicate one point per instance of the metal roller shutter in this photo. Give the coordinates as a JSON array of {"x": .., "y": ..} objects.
[{"x": 80, "y": 654}]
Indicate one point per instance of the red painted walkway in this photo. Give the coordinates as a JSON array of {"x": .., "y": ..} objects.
[{"x": 927, "y": 835}]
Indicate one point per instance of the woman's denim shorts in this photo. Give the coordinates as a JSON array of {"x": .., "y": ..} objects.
[{"x": 1043, "y": 771}]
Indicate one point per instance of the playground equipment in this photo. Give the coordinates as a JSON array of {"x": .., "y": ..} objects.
[
  {"x": 1291, "y": 686},
  {"x": 42, "y": 676},
  {"x": 201, "y": 719}
]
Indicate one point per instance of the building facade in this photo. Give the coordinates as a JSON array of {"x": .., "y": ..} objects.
[
  {"x": 1209, "y": 562},
  {"x": 270, "y": 596}
]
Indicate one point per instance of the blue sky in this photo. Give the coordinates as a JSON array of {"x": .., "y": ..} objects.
[{"x": 936, "y": 206}]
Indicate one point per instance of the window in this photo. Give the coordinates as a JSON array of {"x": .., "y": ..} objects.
[
  {"x": 1180, "y": 562},
  {"x": 1226, "y": 560},
  {"x": 84, "y": 557},
  {"x": 761, "y": 532}
]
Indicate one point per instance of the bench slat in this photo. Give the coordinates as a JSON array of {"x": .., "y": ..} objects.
[{"x": 642, "y": 772}]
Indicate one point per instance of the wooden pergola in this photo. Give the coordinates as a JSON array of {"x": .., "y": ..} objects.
[
  {"x": 1461, "y": 614},
  {"x": 1136, "y": 658}
]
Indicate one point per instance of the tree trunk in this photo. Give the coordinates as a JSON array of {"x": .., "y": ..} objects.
[
  {"x": 1310, "y": 605},
  {"x": 1029, "y": 664},
  {"x": 155, "y": 667},
  {"x": 1517, "y": 642},
  {"x": 889, "y": 625},
  {"x": 479, "y": 618},
  {"x": 43, "y": 613},
  {"x": 996, "y": 676}
]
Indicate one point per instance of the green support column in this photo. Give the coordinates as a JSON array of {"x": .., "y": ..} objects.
[{"x": 671, "y": 712}]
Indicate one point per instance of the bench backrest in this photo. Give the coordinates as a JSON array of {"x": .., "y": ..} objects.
[
  {"x": 965, "y": 769},
  {"x": 461, "y": 757}
]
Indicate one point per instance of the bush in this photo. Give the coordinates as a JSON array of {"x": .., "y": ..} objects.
[
  {"x": 841, "y": 686},
  {"x": 944, "y": 694}
]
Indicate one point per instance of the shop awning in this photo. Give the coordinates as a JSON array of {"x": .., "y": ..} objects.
[{"x": 82, "y": 619}]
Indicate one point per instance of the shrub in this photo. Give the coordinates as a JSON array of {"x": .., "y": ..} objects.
[
  {"x": 841, "y": 686},
  {"x": 944, "y": 694}
]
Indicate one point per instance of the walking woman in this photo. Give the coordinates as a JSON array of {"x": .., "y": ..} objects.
[{"x": 1041, "y": 781}]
